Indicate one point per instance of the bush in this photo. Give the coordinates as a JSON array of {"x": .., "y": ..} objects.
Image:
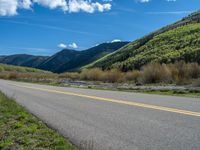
[
  {"x": 12, "y": 76},
  {"x": 155, "y": 73},
  {"x": 3, "y": 76},
  {"x": 182, "y": 70},
  {"x": 95, "y": 74},
  {"x": 1, "y": 69},
  {"x": 194, "y": 70},
  {"x": 70, "y": 75},
  {"x": 113, "y": 75},
  {"x": 133, "y": 76}
]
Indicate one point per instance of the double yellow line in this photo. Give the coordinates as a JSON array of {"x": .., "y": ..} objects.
[{"x": 155, "y": 107}]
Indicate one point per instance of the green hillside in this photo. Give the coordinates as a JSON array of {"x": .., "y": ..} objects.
[
  {"x": 23, "y": 60},
  {"x": 179, "y": 41},
  {"x": 11, "y": 68}
]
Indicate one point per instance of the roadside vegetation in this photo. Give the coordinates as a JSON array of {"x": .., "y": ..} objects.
[
  {"x": 179, "y": 73},
  {"x": 11, "y": 72},
  {"x": 21, "y": 130}
]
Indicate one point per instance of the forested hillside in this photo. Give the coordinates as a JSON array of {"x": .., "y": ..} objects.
[
  {"x": 70, "y": 60},
  {"x": 23, "y": 60},
  {"x": 179, "y": 41}
]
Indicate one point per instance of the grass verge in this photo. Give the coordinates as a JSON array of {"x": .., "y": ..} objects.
[{"x": 21, "y": 130}]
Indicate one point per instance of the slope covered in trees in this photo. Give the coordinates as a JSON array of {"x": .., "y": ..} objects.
[
  {"x": 23, "y": 60},
  {"x": 179, "y": 41}
]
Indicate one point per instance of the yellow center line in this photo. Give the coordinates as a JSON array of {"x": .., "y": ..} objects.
[{"x": 155, "y": 107}]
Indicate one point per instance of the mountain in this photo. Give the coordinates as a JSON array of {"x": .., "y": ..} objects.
[
  {"x": 1, "y": 57},
  {"x": 65, "y": 60},
  {"x": 54, "y": 62},
  {"x": 178, "y": 41},
  {"x": 23, "y": 60},
  {"x": 69, "y": 60}
]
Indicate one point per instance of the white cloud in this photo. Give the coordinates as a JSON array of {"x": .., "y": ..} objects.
[
  {"x": 10, "y": 7},
  {"x": 115, "y": 40},
  {"x": 73, "y": 46},
  {"x": 61, "y": 45},
  {"x": 53, "y": 4},
  {"x": 87, "y": 6}
]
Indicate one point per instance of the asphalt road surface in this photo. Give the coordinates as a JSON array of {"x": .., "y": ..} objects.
[{"x": 108, "y": 120}]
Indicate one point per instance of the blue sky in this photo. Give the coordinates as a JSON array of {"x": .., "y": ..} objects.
[{"x": 44, "y": 27}]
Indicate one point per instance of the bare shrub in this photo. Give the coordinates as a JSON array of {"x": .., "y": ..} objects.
[
  {"x": 3, "y": 76},
  {"x": 194, "y": 70},
  {"x": 183, "y": 70},
  {"x": 1, "y": 69},
  {"x": 12, "y": 76},
  {"x": 132, "y": 76},
  {"x": 155, "y": 73},
  {"x": 113, "y": 75},
  {"x": 95, "y": 74},
  {"x": 70, "y": 75}
]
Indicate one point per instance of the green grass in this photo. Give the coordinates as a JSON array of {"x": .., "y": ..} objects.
[
  {"x": 21, "y": 130},
  {"x": 9, "y": 68}
]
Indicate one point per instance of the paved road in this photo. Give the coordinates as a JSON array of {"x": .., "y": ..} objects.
[{"x": 108, "y": 120}]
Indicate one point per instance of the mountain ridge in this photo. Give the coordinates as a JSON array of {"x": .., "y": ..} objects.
[
  {"x": 64, "y": 60},
  {"x": 22, "y": 60},
  {"x": 123, "y": 58}
]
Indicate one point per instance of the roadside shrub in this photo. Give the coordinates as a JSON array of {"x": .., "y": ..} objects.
[
  {"x": 182, "y": 70},
  {"x": 95, "y": 74},
  {"x": 194, "y": 70},
  {"x": 91, "y": 74},
  {"x": 12, "y": 76},
  {"x": 3, "y": 76},
  {"x": 1, "y": 69},
  {"x": 155, "y": 73},
  {"x": 112, "y": 76},
  {"x": 70, "y": 75},
  {"x": 132, "y": 76}
]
